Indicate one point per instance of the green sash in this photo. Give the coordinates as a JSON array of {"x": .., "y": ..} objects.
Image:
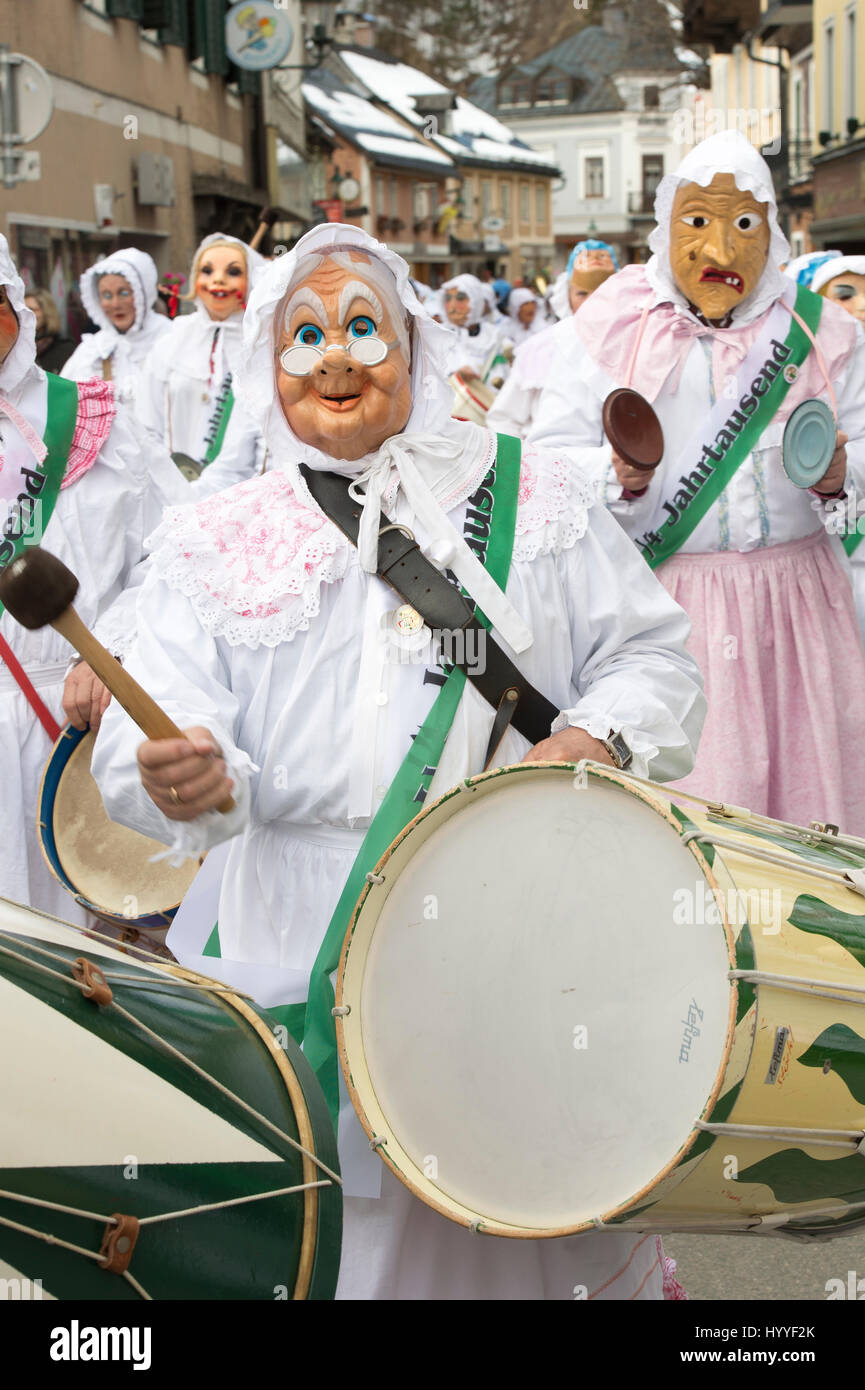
[
  {"x": 215, "y": 444},
  {"x": 747, "y": 424},
  {"x": 853, "y": 538},
  {"x": 42, "y": 485}
]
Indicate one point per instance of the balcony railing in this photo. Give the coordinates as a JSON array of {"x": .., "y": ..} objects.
[
  {"x": 641, "y": 203},
  {"x": 790, "y": 165},
  {"x": 787, "y": 25}
]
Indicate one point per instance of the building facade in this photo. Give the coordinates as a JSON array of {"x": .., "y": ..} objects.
[
  {"x": 445, "y": 183},
  {"x": 155, "y": 139},
  {"x": 839, "y": 166},
  {"x": 606, "y": 107}
]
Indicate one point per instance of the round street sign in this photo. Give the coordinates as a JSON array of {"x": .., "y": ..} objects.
[
  {"x": 349, "y": 188},
  {"x": 33, "y": 96},
  {"x": 257, "y": 35}
]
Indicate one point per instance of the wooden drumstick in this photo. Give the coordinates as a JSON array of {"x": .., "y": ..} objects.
[{"x": 38, "y": 590}]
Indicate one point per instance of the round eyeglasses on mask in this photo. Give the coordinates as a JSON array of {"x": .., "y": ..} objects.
[{"x": 363, "y": 345}]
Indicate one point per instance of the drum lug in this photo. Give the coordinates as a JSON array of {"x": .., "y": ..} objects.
[
  {"x": 118, "y": 1243},
  {"x": 93, "y": 983},
  {"x": 823, "y": 828}
]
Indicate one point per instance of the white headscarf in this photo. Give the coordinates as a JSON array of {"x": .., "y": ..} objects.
[
  {"x": 853, "y": 265},
  {"x": 726, "y": 153},
  {"x": 139, "y": 270},
  {"x": 558, "y": 298},
  {"x": 802, "y": 269},
  {"x": 22, "y": 356},
  {"x": 517, "y": 299},
  {"x": 436, "y": 461},
  {"x": 472, "y": 286}
]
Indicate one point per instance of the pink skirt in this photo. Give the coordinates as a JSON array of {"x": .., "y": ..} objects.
[{"x": 776, "y": 637}]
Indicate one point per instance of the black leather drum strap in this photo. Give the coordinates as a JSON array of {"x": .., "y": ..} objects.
[{"x": 441, "y": 605}]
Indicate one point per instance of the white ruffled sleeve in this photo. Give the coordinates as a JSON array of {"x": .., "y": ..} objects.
[
  {"x": 151, "y": 483},
  {"x": 180, "y": 665},
  {"x": 637, "y": 678},
  {"x": 568, "y": 420}
]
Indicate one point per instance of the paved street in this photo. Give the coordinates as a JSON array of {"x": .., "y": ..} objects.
[{"x": 746, "y": 1267}]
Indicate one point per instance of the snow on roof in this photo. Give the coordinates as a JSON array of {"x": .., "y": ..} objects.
[
  {"x": 513, "y": 153},
  {"x": 353, "y": 112},
  {"x": 472, "y": 131},
  {"x": 405, "y": 149},
  {"x": 469, "y": 119},
  {"x": 394, "y": 83}
]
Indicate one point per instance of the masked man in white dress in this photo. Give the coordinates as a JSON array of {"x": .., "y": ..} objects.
[
  {"x": 260, "y": 632},
  {"x": 72, "y": 477},
  {"x": 724, "y": 346},
  {"x": 186, "y": 401},
  {"x": 119, "y": 293}
]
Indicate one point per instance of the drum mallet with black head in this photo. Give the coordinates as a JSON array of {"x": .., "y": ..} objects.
[{"x": 38, "y": 590}]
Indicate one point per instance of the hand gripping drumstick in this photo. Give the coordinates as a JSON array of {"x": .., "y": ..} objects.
[{"x": 38, "y": 591}]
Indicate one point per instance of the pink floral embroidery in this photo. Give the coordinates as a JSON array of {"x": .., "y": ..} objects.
[
  {"x": 96, "y": 411},
  {"x": 252, "y": 559}
]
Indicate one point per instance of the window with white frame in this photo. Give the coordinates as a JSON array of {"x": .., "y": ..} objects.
[
  {"x": 828, "y": 76},
  {"x": 505, "y": 200},
  {"x": 540, "y": 204},
  {"x": 421, "y": 202},
  {"x": 850, "y": 113},
  {"x": 380, "y": 197},
  {"x": 525, "y": 208},
  {"x": 486, "y": 197},
  {"x": 593, "y": 176}
]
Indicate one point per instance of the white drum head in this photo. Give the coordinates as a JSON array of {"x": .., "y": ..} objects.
[{"x": 532, "y": 1029}]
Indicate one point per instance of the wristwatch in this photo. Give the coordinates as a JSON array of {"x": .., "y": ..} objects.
[{"x": 618, "y": 750}]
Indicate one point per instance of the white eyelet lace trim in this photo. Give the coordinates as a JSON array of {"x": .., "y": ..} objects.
[
  {"x": 554, "y": 502},
  {"x": 251, "y": 560}
]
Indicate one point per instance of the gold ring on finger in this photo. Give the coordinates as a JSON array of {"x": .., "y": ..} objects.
[{"x": 175, "y": 796}]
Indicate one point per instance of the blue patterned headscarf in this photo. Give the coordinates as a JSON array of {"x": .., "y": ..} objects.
[{"x": 590, "y": 246}]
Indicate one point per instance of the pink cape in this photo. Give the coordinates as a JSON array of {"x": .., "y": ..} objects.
[{"x": 608, "y": 322}]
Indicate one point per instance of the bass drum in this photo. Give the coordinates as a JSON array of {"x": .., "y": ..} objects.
[
  {"x": 156, "y": 1117},
  {"x": 569, "y": 999}
]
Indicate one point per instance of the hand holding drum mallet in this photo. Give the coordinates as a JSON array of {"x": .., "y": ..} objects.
[{"x": 38, "y": 590}]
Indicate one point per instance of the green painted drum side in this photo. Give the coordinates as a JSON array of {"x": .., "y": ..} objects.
[{"x": 245, "y": 1252}]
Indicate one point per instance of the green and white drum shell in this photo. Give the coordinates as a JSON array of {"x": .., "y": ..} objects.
[
  {"x": 575, "y": 997},
  {"x": 173, "y": 1100}
]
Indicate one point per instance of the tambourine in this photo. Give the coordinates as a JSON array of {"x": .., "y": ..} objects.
[
  {"x": 808, "y": 443},
  {"x": 633, "y": 429}
]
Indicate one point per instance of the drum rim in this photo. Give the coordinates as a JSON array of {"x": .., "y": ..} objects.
[
  {"x": 318, "y": 1262},
  {"x": 58, "y": 759},
  {"x": 457, "y": 1212},
  {"x": 308, "y": 1266},
  {"x": 463, "y": 386}
]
